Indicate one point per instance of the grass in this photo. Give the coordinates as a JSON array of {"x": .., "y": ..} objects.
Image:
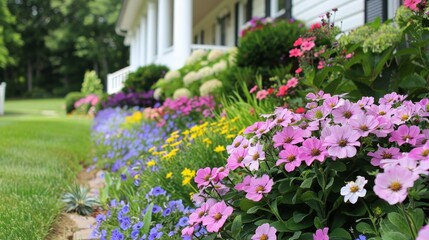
[{"x": 40, "y": 156}]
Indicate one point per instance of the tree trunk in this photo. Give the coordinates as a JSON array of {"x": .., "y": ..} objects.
[{"x": 29, "y": 76}]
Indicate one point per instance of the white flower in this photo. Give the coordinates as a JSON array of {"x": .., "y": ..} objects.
[
  {"x": 173, "y": 74},
  {"x": 195, "y": 56},
  {"x": 209, "y": 87},
  {"x": 353, "y": 190},
  {"x": 215, "y": 54},
  {"x": 182, "y": 92},
  {"x": 220, "y": 66},
  {"x": 191, "y": 77},
  {"x": 205, "y": 72},
  {"x": 157, "y": 93}
]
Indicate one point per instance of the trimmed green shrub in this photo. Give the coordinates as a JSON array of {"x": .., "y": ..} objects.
[
  {"x": 91, "y": 84},
  {"x": 71, "y": 98},
  {"x": 269, "y": 46},
  {"x": 144, "y": 77}
]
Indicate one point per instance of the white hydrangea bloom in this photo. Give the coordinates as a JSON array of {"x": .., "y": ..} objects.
[
  {"x": 209, "y": 87},
  {"x": 157, "y": 93},
  {"x": 181, "y": 92},
  {"x": 195, "y": 56},
  {"x": 191, "y": 77},
  {"x": 215, "y": 54},
  {"x": 205, "y": 72},
  {"x": 353, "y": 190},
  {"x": 220, "y": 66},
  {"x": 173, "y": 74}
]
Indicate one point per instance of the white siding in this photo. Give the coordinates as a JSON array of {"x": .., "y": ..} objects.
[{"x": 350, "y": 14}]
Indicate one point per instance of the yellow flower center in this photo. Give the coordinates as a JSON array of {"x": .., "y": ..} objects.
[
  {"x": 347, "y": 114},
  {"x": 354, "y": 188},
  {"x": 217, "y": 216},
  {"x": 395, "y": 186},
  {"x": 260, "y": 188},
  {"x": 255, "y": 157},
  {"x": 315, "y": 152},
  {"x": 425, "y": 153},
  {"x": 263, "y": 237},
  {"x": 342, "y": 143}
]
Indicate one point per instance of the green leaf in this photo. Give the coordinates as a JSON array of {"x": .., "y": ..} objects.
[
  {"x": 295, "y": 236},
  {"x": 365, "y": 228},
  {"x": 298, "y": 217},
  {"x": 147, "y": 220},
  {"x": 399, "y": 221},
  {"x": 340, "y": 234},
  {"x": 307, "y": 182},
  {"x": 211, "y": 236},
  {"x": 236, "y": 226},
  {"x": 412, "y": 81},
  {"x": 394, "y": 236},
  {"x": 338, "y": 166},
  {"x": 418, "y": 217}
]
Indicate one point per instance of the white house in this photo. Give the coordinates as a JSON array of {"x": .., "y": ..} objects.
[{"x": 167, "y": 31}]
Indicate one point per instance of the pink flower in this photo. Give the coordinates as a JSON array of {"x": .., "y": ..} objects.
[
  {"x": 253, "y": 89},
  {"x": 423, "y": 233},
  {"x": 317, "y": 96},
  {"x": 412, "y": 4},
  {"x": 199, "y": 213},
  {"x": 265, "y": 232},
  {"x": 259, "y": 186},
  {"x": 384, "y": 127},
  {"x": 289, "y": 156},
  {"x": 364, "y": 124},
  {"x": 333, "y": 102},
  {"x": 391, "y": 98},
  {"x": 217, "y": 216},
  {"x": 317, "y": 114},
  {"x": 298, "y": 70},
  {"x": 392, "y": 185},
  {"x": 188, "y": 232},
  {"x": 342, "y": 141},
  {"x": 315, "y": 26},
  {"x": 238, "y": 142},
  {"x": 365, "y": 101},
  {"x": 307, "y": 45},
  {"x": 321, "y": 234},
  {"x": 406, "y": 134},
  {"x": 321, "y": 64},
  {"x": 420, "y": 153},
  {"x": 345, "y": 112},
  {"x": 288, "y": 135},
  {"x": 295, "y": 53},
  {"x": 204, "y": 176},
  {"x": 384, "y": 153},
  {"x": 293, "y": 82},
  {"x": 235, "y": 160},
  {"x": 254, "y": 155},
  {"x": 253, "y": 128},
  {"x": 348, "y": 55},
  {"x": 219, "y": 174},
  {"x": 283, "y": 117},
  {"x": 297, "y": 42},
  {"x": 312, "y": 149},
  {"x": 261, "y": 94},
  {"x": 282, "y": 91},
  {"x": 244, "y": 184}
]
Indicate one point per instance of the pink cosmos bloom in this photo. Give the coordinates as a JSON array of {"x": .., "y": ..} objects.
[
  {"x": 406, "y": 134},
  {"x": 297, "y": 42},
  {"x": 312, "y": 149},
  {"x": 289, "y": 156},
  {"x": 321, "y": 234},
  {"x": 295, "y": 53},
  {"x": 254, "y": 155},
  {"x": 235, "y": 160},
  {"x": 288, "y": 135},
  {"x": 342, "y": 141},
  {"x": 244, "y": 184},
  {"x": 317, "y": 96},
  {"x": 259, "y": 186},
  {"x": 416, "y": 167},
  {"x": 262, "y": 94},
  {"x": 423, "y": 107},
  {"x": 219, "y": 174},
  {"x": 333, "y": 102},
  {"x": 365, "y": 101},
  {"x": 197, "y": 216},
  {"x": 298, "y": 70},
  {"x": 307, "y": 45},
  {"x": 412, "y": 4},
  {"x": 311, "y": 105},
  {"x": 404, "y": 113},
  {"x": 423, "y": 233},
  {"x": 393, "y": 183},
  {"x": 253, "y": 89},
  {"x": 293, "y": 82},
  {"x": 420, "y": 153},
  {"x": 265, "y": 232},
  {"x": 217, "y": 216},
  {"x": 391, "y": 98},
  {"x": 283, "y": 117},
  {"x": 253, "y": 128},
  {"x": 364, "y": 124},
  {"x": 380, "y": 110},
  {"x": 264, "y": 128},
  {"x": 239, "y": 141},
  {"x": 384, "y": 127},
  {"x": 424, "y": 138},
  {"x": 317, "y": 114},
  {"x": 204, "y": 176},
  {"x": 346, "y": 112},
  {"x": 384, "y": 153},
  {"x": 220, "y": 188},
  {"x": 188, "y": 232}
]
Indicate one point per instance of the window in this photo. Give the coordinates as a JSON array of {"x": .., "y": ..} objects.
[
  {"x": 281, "y": 9},
  {"x": 382, "y": 9},
  {"x": 249, "y": 10},
  {"x": 202, "y": 37}
]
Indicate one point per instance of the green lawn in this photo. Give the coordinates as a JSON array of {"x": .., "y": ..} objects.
[{"x": 40, "y": 153}]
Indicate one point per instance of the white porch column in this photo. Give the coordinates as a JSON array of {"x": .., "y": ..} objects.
[
  {"x": 151, "y": 31},
  {"x": 143, "y": 35},
  {"x": 163, "y": 25},
  {"x": 182, "y": 30},
  {"x": 133, "y": 50}
]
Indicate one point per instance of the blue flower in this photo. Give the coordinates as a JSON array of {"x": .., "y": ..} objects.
[
  {"x": 117, "y": 235},
  {"x": 125, "y": 223},
  {"x": 171, "y": 233},
  {"x": 135, "y": 234},
  {"x": 361, "y": 237},
  {"x": 176, "y": 205},
  {"x": 137, "y": 182},
  {"x": 183, "y": 222},
  {"x": 156, "y": 209},
  {"x": 156, "y": 191},
  {"x": 100, "y": 218},
  {"x": 138, "y": 225},
  {"x": 166, "y": 212},
  {"x": 125, "y": 209}
]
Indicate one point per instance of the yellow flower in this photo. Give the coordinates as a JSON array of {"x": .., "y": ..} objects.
[
  {"x": 169, "y": 175},
  {"x": 137, "y": 176},
  {"x": 186, "y": 132},
  {"x": 188, "y": 172},
  {"x": 151, "y": 149},
  {"x": 230, "y": 136},
  {"x": 219, "y": 148},
  {"x": 191, "y": 194},
  {"x": 186, "y": 181},
  {"x": 164, "y": 146},
  {"x": 176, "y": 144},
  {"x": 151, "y": 163}
]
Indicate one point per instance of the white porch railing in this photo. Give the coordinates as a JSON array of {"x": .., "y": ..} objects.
[
  {"x": 2, "y": 97},
  {"x": 115, "y": 81},
  {"x": 209, "y": 47}
]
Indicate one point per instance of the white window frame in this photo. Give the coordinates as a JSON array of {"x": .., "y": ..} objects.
[{"x": 275, "y": 12}]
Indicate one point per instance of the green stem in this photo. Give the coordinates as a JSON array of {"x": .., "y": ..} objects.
[
  {"x": 408, "y": 221},
  {"x": 274, "y": 212},
  {"x": 371, "y": 217}
]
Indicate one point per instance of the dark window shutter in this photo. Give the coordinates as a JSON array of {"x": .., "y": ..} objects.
[
  {"x": 267, "y": 8},
  {"x": 288, "y": 10},
  {"x": 249, "y": 9},
  {"x": 236, "y": 22},
  {"x": 375, "y": 9}
]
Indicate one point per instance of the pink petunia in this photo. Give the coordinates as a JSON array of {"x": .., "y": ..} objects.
[
  {"x": 259, "y": 186},
  {"x": 312, "y": 149},
  {"x": 290, "y": 157},
  {"x": 412, "y": 4},
  {"x": 384, "y": 153},
  {"x": 393, "y": 183},
  {"x": 265, "y": 232},
  {"x": 321, "y": 234},
  {"x": 217, "y": 216},
  {"x": 262, "y": 94},
  {"x": 291, "y": 83},
  {"x": 288, "y": 135},
  {"x": 297, "y": 42},
  {"x": 296, "y": 52},
  {"x": 307, "y": 45},
  {"x": 254, "y": 155},
  {"x": 342, "y": 141},
  {"x": 235, "y": 160},
  {"x": 405, "y": 134},
  {"x": 253, "y": 89},
  {"x": 423, "y": 233}
]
